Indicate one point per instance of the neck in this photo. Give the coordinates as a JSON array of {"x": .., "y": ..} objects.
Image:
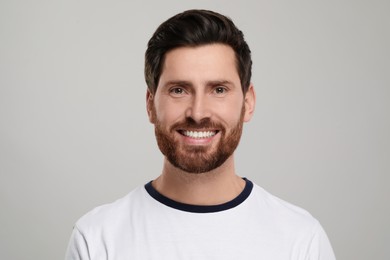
[{"x": 210, "y": 188}]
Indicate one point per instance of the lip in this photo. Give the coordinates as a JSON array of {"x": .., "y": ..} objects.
[{"x": 203, "y": 136}]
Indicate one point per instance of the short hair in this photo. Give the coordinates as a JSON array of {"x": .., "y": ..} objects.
[{"x": 196, "y": 28}]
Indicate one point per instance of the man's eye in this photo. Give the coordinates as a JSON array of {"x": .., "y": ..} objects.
[
  {"x": 220, "y": 90},
  {"x": 177, "y": 91}
]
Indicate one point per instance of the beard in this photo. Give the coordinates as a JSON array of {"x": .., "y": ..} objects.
[{"x": 197, "y": 159}]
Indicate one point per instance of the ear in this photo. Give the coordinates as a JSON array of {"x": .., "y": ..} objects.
[
  {"x": 249, "y": 103},
  {"x": 149, "y": 105}
]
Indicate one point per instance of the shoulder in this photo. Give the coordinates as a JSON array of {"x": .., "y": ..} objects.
[
  {"x": 291, "y": 224},
  {"x": 283, "y": 214},
  {"x": 109, "y": 216}
]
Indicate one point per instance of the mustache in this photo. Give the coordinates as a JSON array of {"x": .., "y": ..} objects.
[{"x": 190, "y": 123}]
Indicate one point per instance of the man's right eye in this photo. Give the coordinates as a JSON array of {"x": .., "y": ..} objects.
[{"x": 176, "y": 91}]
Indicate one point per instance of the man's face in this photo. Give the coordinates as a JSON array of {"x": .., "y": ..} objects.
[{"x": 198, "y": 109}]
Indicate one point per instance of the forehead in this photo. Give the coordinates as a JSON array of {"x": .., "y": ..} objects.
[{"x": 207, "y": 62}]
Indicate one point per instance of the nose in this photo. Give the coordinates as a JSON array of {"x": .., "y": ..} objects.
[{"x": 199, "y": 108}]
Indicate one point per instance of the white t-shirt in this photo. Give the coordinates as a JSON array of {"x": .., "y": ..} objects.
[{"x": 146, "y": 225}]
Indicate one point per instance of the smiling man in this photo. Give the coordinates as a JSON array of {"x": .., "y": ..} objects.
[
  {"x": 198, "y": 109},
  {"x": 198, "y": 72}
]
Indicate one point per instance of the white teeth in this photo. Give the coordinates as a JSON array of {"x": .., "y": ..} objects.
[{"x": 196, "y": 134}]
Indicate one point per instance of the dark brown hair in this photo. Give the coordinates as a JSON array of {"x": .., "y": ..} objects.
[{"x": 195, "y": 28}]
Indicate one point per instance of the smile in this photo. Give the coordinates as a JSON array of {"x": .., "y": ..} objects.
[{"x": 198, "y": 134}]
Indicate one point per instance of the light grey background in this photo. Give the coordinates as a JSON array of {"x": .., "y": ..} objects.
[{"x": 74, "y": 132}]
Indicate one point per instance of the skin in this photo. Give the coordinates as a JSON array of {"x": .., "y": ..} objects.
[{"x": 200, "y": 82}]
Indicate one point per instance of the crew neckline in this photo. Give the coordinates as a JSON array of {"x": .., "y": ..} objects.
[{"x": 201, "y": 208}]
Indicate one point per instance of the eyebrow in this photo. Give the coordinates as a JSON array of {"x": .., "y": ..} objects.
[
  {"x": 177, "y": 82},
  {"x": 189, "y": 84}
]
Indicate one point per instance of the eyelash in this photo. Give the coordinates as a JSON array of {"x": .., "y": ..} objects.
[
  {"x": 175, "y": 89},
  {"x": 219, "y": 90}
]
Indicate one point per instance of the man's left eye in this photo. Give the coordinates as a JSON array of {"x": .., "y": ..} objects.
[{"x": 220, "y": 90}]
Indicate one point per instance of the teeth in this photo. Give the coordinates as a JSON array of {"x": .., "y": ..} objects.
[{"x": 200, "y": 134}]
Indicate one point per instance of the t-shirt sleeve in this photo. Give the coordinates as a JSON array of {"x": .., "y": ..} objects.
[
  {"x": 320, "y": 247},
  {"x": 78, "y": 247}
]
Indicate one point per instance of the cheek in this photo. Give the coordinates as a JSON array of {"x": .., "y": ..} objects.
[
  {"x": 233, "y": 118},
  {"x": 231, "y": 113},
  {"x": 166, "y": 113}
]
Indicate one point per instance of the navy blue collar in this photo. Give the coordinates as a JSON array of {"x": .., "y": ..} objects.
[{"x": 201, "y": 208}]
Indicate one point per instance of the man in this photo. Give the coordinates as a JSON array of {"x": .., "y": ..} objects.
[{"x": 198, "y": 72}]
